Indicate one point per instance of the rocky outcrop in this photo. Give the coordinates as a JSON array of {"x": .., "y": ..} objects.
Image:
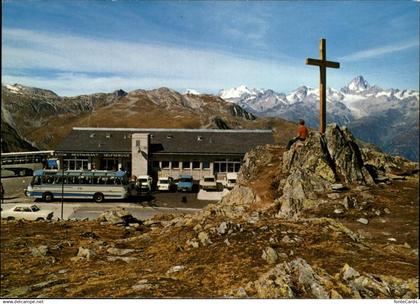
[
  {"x": 316, "y": 165},
  {"x": 298, "y": 279},
  {"x": 253, "y": 162},
  {"x": 334, "y": 156}
]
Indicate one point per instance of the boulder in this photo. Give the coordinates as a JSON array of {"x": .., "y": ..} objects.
[
  {"x": 204, "y": 238},
  {"x": 346, "y": 155},
  {"x": 118, "y": 216},
  {"x": 363, "y": 221},
  {"x": 348, "y": 273},
  {"x": 40, "y": 251},
  {"x": 118, "y": 251},
  {"x": 175, "y": 269},
  {"x": 143, "y": 284},
  {"x": 223, "y": 227},
  {"x": 269, "y": 255},
  {"x": 300, "y": 191},
  {"x": 85, "y": 253}
]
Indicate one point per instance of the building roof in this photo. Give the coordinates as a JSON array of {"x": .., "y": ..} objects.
[{"x": 165, "y": 141}]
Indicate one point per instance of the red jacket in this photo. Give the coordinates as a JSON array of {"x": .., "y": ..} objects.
[{"x": 302, "y": 132}]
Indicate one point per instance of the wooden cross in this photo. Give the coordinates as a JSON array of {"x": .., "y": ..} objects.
[{"x": 323, "y": 65}]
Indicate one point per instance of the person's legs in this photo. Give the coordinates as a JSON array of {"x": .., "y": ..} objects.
[{"x": 291, "y": 142}]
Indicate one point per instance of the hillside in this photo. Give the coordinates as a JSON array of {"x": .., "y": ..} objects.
[
  {"x": 43, "y": 118},
  {"x": 387, "y": 118},
  {"x": 323, "y": 220}
]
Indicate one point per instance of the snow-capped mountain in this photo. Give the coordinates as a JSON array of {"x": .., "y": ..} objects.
[{"x": 373, "y": 114}]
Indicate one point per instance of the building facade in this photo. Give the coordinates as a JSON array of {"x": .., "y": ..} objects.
[{"x": 160, "y": 152}]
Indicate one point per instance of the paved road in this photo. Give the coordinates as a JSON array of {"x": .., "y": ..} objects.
[
  {"x": 92, "y": 210},
  {"x": 140, "y": 207}
]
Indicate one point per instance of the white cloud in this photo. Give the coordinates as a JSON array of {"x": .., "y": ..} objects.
[
  {"x": 77, "y": 62},
  {"x": 376, "y": 52}
]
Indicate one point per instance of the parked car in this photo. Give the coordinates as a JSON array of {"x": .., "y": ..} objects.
[
  {"x": 185, "y": 183},
  {"x": 231, "y": 180},
  {"x": 208, "y": 183},
  {"x": 27, "y": 212},
  {"x": 166, "y": 184},
  {"x": 144, "y": 182}
]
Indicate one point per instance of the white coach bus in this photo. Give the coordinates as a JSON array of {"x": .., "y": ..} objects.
[{"x": 96, "y": 185}]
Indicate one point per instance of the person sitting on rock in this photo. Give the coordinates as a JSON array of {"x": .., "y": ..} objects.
[{"x": 302, "y": 134}]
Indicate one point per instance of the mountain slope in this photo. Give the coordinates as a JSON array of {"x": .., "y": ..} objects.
[{"x": 386, "y": 118}]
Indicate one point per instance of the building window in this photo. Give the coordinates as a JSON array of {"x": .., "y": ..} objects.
[
  {"x": 206, "y": 165},
  {"x": 227, "y": 165},
  {"x": 186, "y": 165},
  {"x": 75, "y": 164},
  {"x": 196, "y": 165},
  {"x": 109, "y": 164},
  {"x": 175, "y": 164},
  {"x": 165, "y": 164}
]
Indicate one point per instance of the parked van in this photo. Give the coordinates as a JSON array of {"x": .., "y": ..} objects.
[
  {"x": 208, "y": 183},
  {"x": 144, "y": 182},
  {"x": 166, "y": 184},
  {"x": 231, "y": 180}
]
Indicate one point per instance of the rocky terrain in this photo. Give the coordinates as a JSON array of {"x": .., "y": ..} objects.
[
  {"x": 38, "y": 119},
  {"x": 326, "y": 219},
  {"x": 388, "y": 118}
]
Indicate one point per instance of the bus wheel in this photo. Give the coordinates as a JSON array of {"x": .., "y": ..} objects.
[
  {"x": 98, "y": 197},
  {"x": 47, "y": 196}
]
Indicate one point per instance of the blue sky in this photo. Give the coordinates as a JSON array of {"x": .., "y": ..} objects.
[{"x": 80, "y": 47}]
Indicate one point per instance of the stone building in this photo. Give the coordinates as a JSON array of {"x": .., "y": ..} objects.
[{"x": 160, "y": 152}]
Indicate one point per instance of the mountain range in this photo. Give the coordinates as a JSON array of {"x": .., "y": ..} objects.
[
  {"x": 388, "y": 118},
  {"x": 34, "y": 118}
]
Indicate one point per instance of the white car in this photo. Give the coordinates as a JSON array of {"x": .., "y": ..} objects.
[
  {"x": 231, "y": 180},
  {"x": 27, "y": 212},
  {"x": 166, "y": 184},
  {"x": 208, "y": 183},
  {"x": 145, "y": 183}
]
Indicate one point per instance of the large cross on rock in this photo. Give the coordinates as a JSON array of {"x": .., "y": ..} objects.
[{"x": 323, "y": 65}]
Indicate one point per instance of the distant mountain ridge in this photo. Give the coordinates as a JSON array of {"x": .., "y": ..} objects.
[
  {"x": 387, "y": 118},
  {"x": 34, "y": 118}
]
